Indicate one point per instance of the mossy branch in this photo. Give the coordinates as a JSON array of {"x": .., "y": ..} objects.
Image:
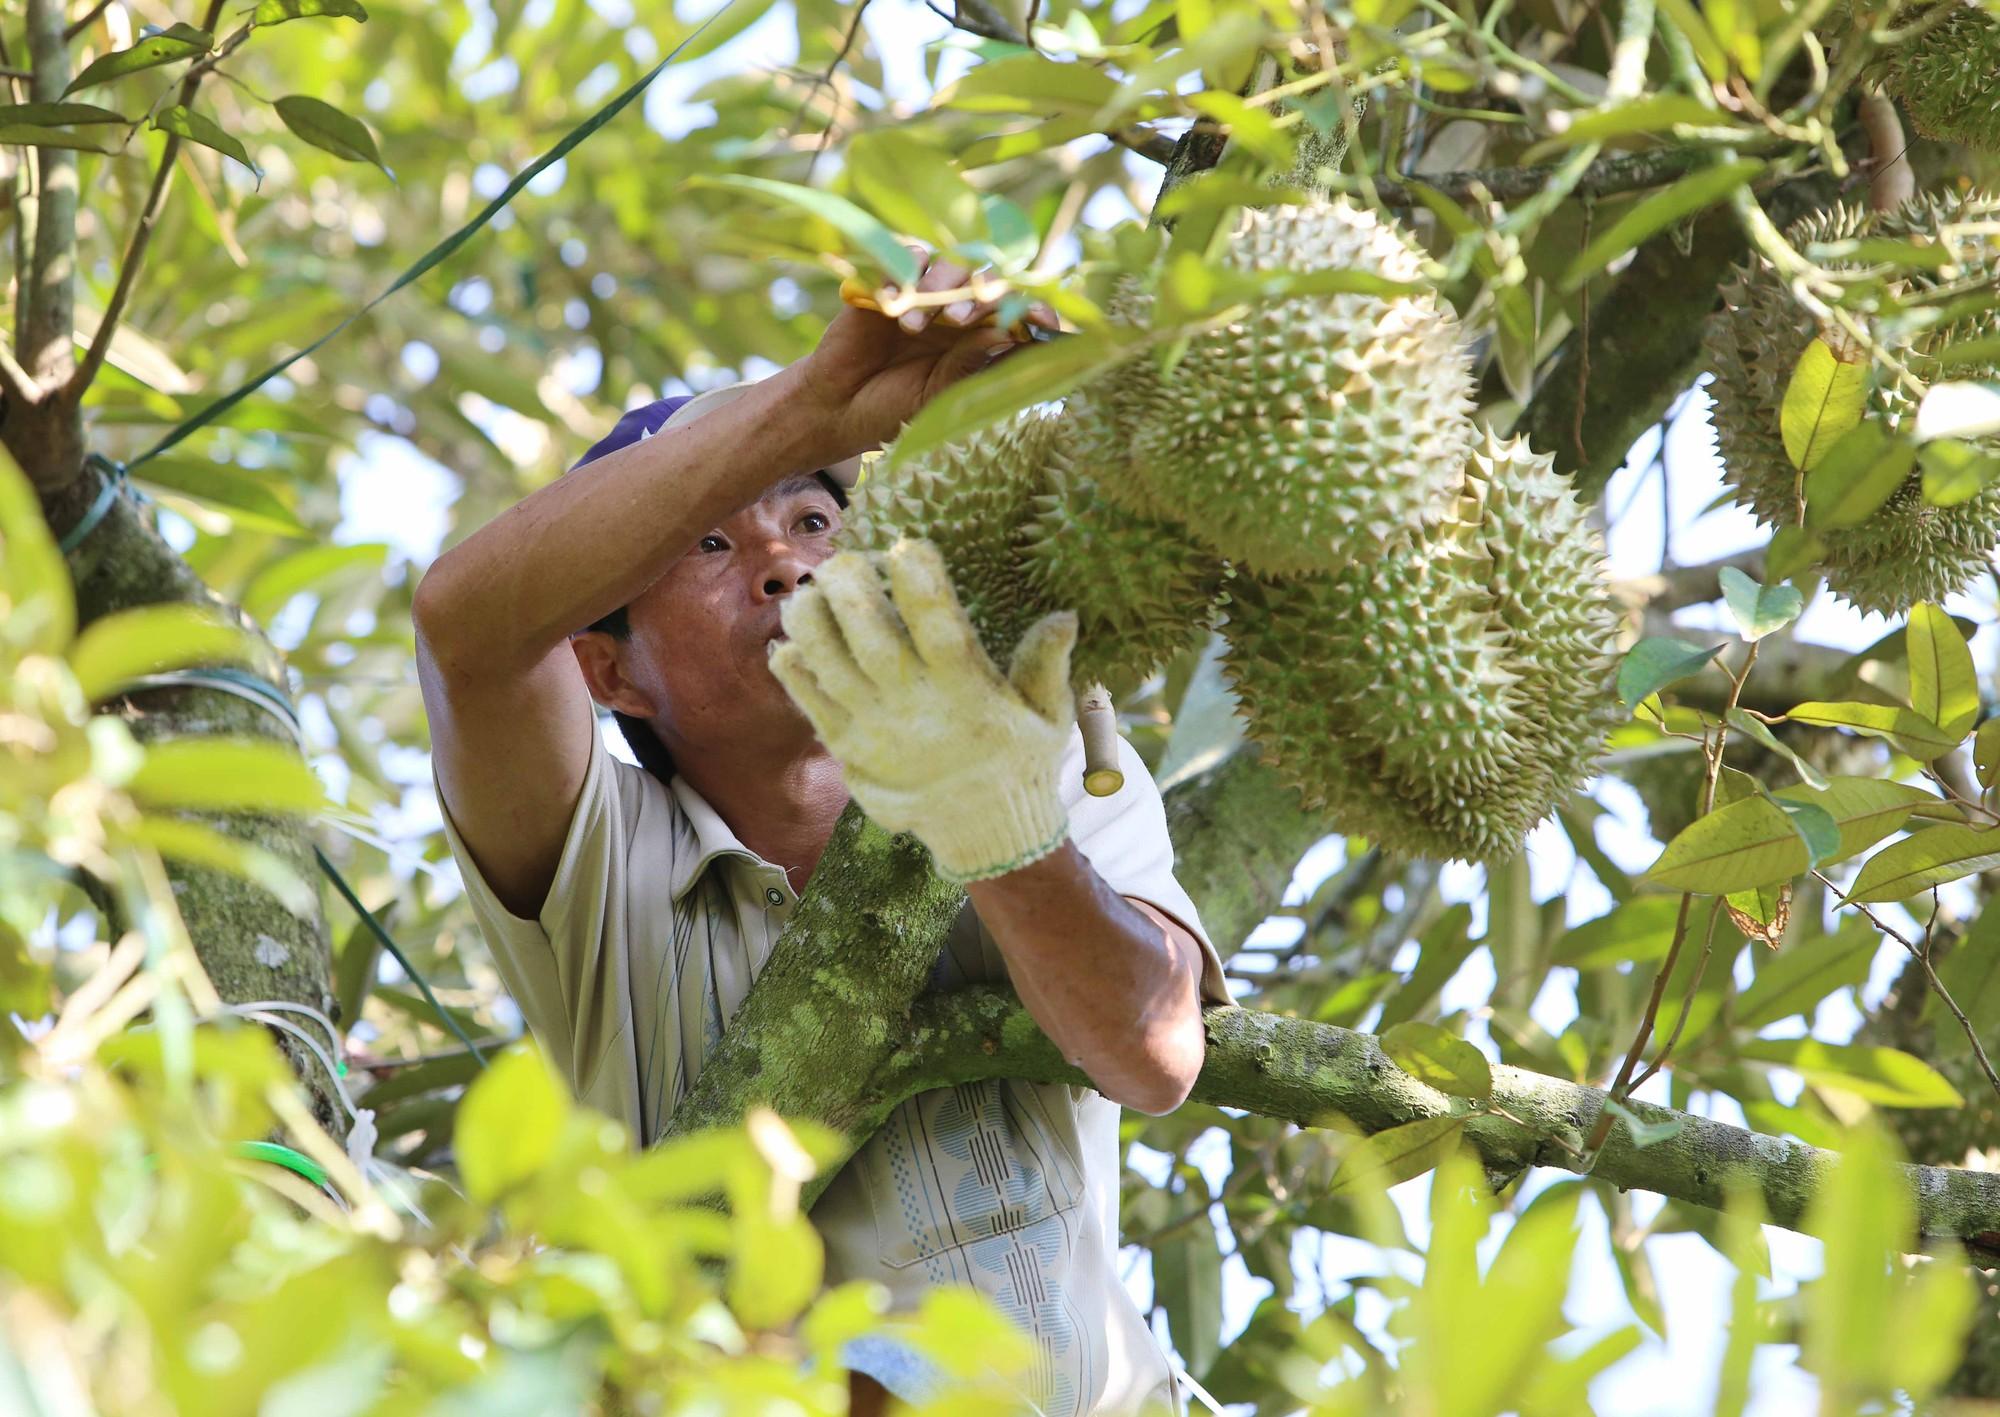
[{"x": 1315, "y": 1074}]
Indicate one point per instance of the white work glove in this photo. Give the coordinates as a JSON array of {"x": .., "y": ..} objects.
[{"x": 932, "y": 739}]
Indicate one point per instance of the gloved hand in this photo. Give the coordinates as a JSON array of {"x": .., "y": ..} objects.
[{"x": 932, "y": 738}]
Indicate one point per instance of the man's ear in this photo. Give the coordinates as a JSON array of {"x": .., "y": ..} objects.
[{"x": 601, "y": 657}]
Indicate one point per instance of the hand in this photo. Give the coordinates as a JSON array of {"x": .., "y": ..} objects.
[
  {"x": 931, "y": 737},
  {"x": 871, "y": 374}
]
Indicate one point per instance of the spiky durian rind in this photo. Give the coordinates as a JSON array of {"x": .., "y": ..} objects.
[
  {"x": 974, "y": 499},
  {"x": 1141, "y": 588},
  {"x": 1301, "y": 435},
  {"x": 1949, "y": 78},
  {"x": 1445, "y": 694},
  {"x": 1908, "y": 550}
]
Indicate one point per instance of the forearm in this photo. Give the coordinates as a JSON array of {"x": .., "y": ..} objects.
[
  {"x": 592, "y": 540},
  {"x": 1115, "y": 987}
]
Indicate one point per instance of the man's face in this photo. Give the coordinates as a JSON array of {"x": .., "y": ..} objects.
[{"x": 698, "y": 648}]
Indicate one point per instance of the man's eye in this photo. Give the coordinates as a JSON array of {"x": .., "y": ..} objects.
[
  {"x": 713, "y": 543},
  {"x": 816, "y": 521}
]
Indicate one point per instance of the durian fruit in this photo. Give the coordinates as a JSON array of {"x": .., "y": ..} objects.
[
  {"x": 1301, "y": 436},
  {"x": 974, "y": 500},
  {"x": 1024, "y": 532},
  {"x": 1141, "y": 588},
  {"x": 1907, "y": 551},
  {"x": 1444, "y": 694},
  {"x": 1949, "y": 78}
]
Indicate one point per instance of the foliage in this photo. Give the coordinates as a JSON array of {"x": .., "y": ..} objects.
[{"x": 1533, "y": 149}]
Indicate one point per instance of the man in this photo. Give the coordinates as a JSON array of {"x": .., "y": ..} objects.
[{"x": 629, "y": 910}]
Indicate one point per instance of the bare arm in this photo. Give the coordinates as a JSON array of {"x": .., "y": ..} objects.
[
  {"x": 509, "y": 711},
  {"x": 1112, "y": 981}
]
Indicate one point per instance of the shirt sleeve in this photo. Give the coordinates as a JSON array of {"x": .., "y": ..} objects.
[
  {"x": 1124, "y": 837},
  {"x": 558, "y": 966}
]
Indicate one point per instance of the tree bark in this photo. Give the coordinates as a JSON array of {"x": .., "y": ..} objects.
[{"x": 252, "y": 946}]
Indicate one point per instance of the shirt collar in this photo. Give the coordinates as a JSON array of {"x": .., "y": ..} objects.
[{"x": 712, "y": 835}]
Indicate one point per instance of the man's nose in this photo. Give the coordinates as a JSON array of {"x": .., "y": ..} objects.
[{"x": 786, "y": 571}]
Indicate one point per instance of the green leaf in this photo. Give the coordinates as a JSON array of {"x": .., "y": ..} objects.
[
  {"x": 301, "y": 571},
  {"x": 1642, "y": 929},
  {"x": 178, "y": 42},
  {"x": 508, "y": 1122},
  {"x": 1187, "y": 1282},
  {"x": 1796, "y": 979},
  {"x": 1971, "y": 975},
  {"x": 1759, "y": 609},
  {"x": 1692, "y": 193},
  {"x": 1862, "y": 470},
  {"x": 1391, "y": 1157},
  {"x": 1792, "y": 550},
  {"x": 1956, "y": 471},
  {"x": 1443, "y": 1060},
  {"x": 184, "y": 122},
  {"x": 1643, "y": 1132},
  {"x": 1960, "y": 354},
  {"x": 1028, "y": 376},
  {"x": 1232, "y": 36},
  {"x": 1655, "y": 662},
  {"x": 119, "y": 648},
  {"x": 1442, "y": 951},
  {"x": 1943, "y": 685},
  {"x": 1657, "y": 114},
  {"x": 1753, "y": 842},
  {"x": 277, "y": 12},
  {"x": 1031, "y": 83},
  {"x": 1752, "y": 727},
  {"x": 226, "y": 775},
  {"x": 879, "y": 243},
  {"x": 1826, "y": 397},
  {"x": 1986, "y": 752},
  {"x": 41, "y": 115},
  {"x": 251, "y": 501},
  {"x": 327, "y": 128},
  {"x": 1708, "y": 50},
  {"x": 1884, "y": 1075},
  {"x": 914, "y": 187},
  {"x": 1907, "y": 729},
  {"x": 1925, "y": 859},
  {"x": 190, "y": 841},
  {"x": 1815, "y": 826},
  {"x": 27, "y": 135}
]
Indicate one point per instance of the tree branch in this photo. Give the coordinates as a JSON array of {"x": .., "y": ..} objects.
[
  {"x": 84, "y": 22},
  {"x": 142, "y": 234},
  {"x": 1310, "y": 1073},
  {"x": 47, "y": 334}
]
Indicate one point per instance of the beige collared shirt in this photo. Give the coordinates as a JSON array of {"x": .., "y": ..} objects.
[{"x": 656, "y": 924}]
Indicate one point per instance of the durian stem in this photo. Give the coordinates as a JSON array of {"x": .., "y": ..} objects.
[
  {"x": 1094, "y": 715},
  {"x": 1890, "y": 180}
]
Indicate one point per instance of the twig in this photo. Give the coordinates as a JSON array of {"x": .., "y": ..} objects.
[
  {"x": 824, "y": 78},
  {"x": 19, "y": 384},
  {"x": 77, "y": 27},
  {"x": 1923, "y": 957},
  {"x": 1687, "y": 1004},
  {"x": 1621, "y": 1085},
  {"x": 142, "y": 235}
]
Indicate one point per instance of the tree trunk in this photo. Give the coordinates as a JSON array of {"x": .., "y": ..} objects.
[{"x": 252, "y": 946}]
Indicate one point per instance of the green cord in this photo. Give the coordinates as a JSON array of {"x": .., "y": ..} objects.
[
  {"x": 285, "y": 1156},
  {"x": 382, "y": 936}
]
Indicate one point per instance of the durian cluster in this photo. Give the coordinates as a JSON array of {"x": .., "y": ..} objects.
[
  {"x": 1949, "y": 77},
  {"x": 1418, "y": 631},
  {"x": 1908, "y": 551}
]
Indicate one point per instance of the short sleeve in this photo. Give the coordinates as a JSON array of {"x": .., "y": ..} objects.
[
  {"x": 560, "y": 967},
  {"x": 1124, "y": 837}
]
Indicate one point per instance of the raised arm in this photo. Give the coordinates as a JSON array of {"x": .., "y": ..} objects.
[{"x": 509, "y": 711}]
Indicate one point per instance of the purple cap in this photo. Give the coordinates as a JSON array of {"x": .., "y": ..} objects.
[{"x": 643, "y": 422}]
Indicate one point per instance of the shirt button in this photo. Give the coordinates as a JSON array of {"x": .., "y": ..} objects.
[{"x": 774, "y": 895}]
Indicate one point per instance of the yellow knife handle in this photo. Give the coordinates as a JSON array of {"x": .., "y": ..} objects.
[{"x": 858, "y": 293}]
